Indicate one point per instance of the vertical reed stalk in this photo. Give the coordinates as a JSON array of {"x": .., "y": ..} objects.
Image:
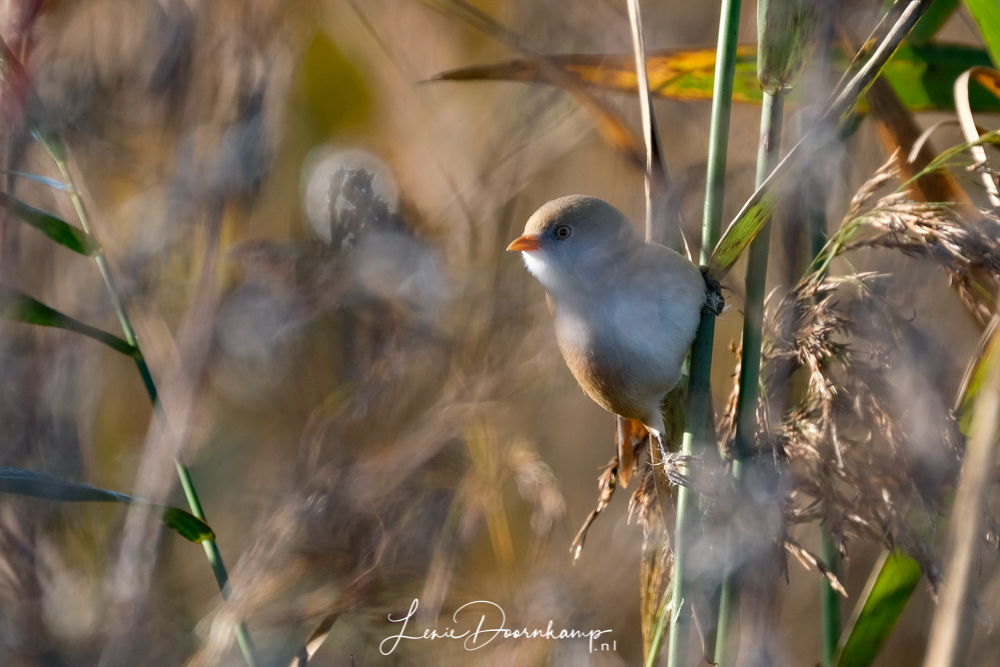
[
  {"x": 697, "y": 437},
  {"x": 657, "y": 183},
  {"x": 756, "y": 277},
  {"x": 657, "y": 642},
  {"x": 746, "y": 407},
  {"x": 830, "y": 599},
  {"x": 718, "y": 140}
]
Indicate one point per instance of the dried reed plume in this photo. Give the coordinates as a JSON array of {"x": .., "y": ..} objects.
[{"x": 829, "y": 418}]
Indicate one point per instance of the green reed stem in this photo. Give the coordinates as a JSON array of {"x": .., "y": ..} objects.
[
  {"x": 746, "y": 407},
  {"x": 830, "y": 599},
  {"x": 187, "y": 484},
  {"x": 697, "y": 437},
  {"x": 718, "y": 140},
  {"x": 756, "y": 277}
]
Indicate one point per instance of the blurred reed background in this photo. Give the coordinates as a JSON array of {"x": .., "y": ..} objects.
[{"x": 308, "y": 235}]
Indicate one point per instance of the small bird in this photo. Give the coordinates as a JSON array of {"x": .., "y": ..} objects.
[{"x": 626, "y": 311}]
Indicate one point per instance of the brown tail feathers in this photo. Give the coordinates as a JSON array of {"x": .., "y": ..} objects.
[{"x": 629, "y": 434}]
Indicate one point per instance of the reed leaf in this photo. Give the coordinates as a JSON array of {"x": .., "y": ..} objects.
[
  {"x": 606, "y": 119},
  {"x": 18, "y": 481},
  {"x": 989, "y": 79},
  {"x": 987, "y": 16},
  {"x": 893, "y": 581},
  {"x": 975, "y": 375},
  {"x": 15, "y": 79},
  {"x": 920, "y": 74},
  {"x": 17, "y": 306},
  {"x": 55, "y": 228},
  {"x": 933, "y": 20},
  {"x": 44, "y": 180},
  {"x": 656, "y": 179}
]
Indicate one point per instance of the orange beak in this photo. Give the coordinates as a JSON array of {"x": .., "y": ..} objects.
[{"x": 523, "y": 243}]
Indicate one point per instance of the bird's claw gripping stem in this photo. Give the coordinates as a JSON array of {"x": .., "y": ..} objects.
[{"x": 714, "y": 301}]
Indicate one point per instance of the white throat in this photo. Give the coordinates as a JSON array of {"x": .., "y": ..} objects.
[
  {"x": 541, "y": 269},
  {"x": 562, "y": 283},
  {"x": 537, "y": 265}
]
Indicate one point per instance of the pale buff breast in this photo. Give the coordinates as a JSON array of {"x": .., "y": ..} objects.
[{"x": 626, "y": 349}]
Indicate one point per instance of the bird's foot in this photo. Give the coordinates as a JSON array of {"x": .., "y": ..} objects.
[
  {"x": 714, "y": 303},
  {"x": 658, "y": 439},
  {"x": 673, "y": 464}
]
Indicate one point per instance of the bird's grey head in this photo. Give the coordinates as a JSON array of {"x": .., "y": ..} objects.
[{"x": 572, "y": 237}]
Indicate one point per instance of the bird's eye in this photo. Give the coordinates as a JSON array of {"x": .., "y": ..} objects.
[{"x": 563, "y": 232}]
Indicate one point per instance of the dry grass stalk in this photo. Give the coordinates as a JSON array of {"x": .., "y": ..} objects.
[
  {"x": 606, "y": 482},
  {"x": 811, "y": 561}
]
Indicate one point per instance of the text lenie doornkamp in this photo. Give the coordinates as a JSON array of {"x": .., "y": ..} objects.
[{"x": 484, "y": 631}]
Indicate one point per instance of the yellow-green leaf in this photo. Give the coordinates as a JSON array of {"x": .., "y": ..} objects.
[
  {"x": 757, "y": 210},
  {"x": 187, "y": 525},
  {"x": 921, "y": 76},
  {"x": 752, "y": 218}
]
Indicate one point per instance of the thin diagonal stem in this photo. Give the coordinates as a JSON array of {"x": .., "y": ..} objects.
[
  {"x": 16, "y": 79},
  {"x": 187, "y": 483}
]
